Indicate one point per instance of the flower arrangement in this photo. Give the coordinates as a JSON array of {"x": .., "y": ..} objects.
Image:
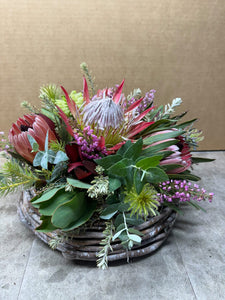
[{"x": 102, "y": 156}]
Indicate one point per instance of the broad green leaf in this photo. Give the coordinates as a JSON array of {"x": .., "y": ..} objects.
[
  {"x": 47, "y": 195},
  {"x": 124, "y": 148},
  {"x": 91, "y": 206},
  {"x": 184, "y": 176},
  {"x": 156, "y": 175},
  {"x": 139, "y": 180},
  {"x": 123, "y": 207},
  {"x": 108, "y": 161},
  {"x": 78, "y": 184},
  {"x": 185, "y": 124},
  {"x": 46, "y": 225},
  {"x": 170, "y": 167},
  {"x": 114, "y": 184},
  {"x": 134, "y": 151},
  {"x": 109, "y": 211},
  {"x": 70, "y": 211},
  {"x": 47, "y": 208},
  {"x": 197, "y": 160},
  {"x": 119, "y": 168},
  {"x": 148, "y": 162},
  {"x": 60, "y": 156},
  {"x": 162, "y": 137},
  {"x": 158, "y": 124}
]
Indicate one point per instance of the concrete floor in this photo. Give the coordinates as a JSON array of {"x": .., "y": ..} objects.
[{"x": 190, "y": 265}]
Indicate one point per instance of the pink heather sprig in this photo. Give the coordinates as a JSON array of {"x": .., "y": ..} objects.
[
  {"x": 89, "y": 143},
  {"x": 182, "y": 191},
  {"x": 146, "y": 102}
]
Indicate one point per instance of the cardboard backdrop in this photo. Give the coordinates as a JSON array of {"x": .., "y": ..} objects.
[{"x": 174, "y": 46}]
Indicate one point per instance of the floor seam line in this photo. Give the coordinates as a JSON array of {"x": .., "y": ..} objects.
[
  {"x": 25, "y": 269},
  {"x": 189, "y": 279}
]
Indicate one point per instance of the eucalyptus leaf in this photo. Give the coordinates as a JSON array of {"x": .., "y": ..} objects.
[
  {"x": 117, "y": 234},
  {"x": 37, "y": 159},
  {"x": 33, "y": 143},
  {"x": 44, "y": 161},
  {"x": 78, "y": 184},
  {"x": 60, "y": 156},
  {"x": 135, "y": 238}
]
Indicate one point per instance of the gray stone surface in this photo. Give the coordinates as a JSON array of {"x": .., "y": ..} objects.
[{"x": 190, "y": 265}]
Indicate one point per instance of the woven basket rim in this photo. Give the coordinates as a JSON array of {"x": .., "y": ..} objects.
[{"x": 85, "y": 245}]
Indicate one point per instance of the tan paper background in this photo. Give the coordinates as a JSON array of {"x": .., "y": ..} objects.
[{"x": 174, "y": 46}]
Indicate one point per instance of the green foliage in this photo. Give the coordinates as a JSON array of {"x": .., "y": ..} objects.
[
  {"x": 42, "y": 158},
  {"x": 128, "y": 236},
  {"x": 64, "y": 210},
  {"x": 136, "y": 94},
  {"x": 197, "y": 160},
  {"x": 50, "y": 92},
  {"x": 89, "y": 78},
  {"x": 14, "y": 175},
  {"x": 102, "y": 255},
  {"x": 30, "y": 107}
]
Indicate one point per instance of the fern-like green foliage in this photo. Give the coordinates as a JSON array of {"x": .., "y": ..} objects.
[
  {"x": 30, "y": 107},
  {"x": 89, "y": 78},
  {"x": 50, "y": 92},
  {"x": 57, "y": 146},
  {"x": 14, "y": 175},
  {"x": 102, "y": 255}
]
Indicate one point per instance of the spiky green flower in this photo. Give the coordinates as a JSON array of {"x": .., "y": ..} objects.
[{"x": 143, "y": 204}]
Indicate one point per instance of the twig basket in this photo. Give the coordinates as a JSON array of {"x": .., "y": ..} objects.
[{"x": 84, "y": 246}]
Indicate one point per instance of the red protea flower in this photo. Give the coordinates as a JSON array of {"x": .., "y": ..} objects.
[
  {"x": 181, "y": 153},
  {"x": 37, "y": 127}
]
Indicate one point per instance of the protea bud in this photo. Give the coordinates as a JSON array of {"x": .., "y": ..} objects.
[{"x": 37, "y": 127}]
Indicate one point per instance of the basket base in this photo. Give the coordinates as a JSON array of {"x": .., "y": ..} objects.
[{"x": 85, "y": 245}]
